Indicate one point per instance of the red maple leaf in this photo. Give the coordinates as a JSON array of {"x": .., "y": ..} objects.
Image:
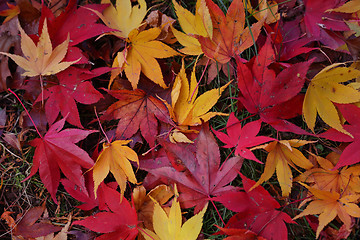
[
  {"x": 197, "y": 174},
  {"x": 137, "y": 110},
  {"x": 72, "y": 87},
  {"x": 268, "y": 94},
  {"x": 80, "y": 23},
  {"x": 242, "y": 138},
  {"x": 57, "y": 151},
  {"x": 351, "y": 154},
  {"x": 256, "y": 211},
  {"x": 117, "y": 219}
]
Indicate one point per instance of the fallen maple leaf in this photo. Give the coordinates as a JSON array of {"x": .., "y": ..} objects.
[
  {"x": 28, "y": 227},
  {"x": 281, "y": 155},
  {"x": 144, "y": 203},
  {"x": 240, "y": 234},
  {"x": 188, "y": 110},
  {"x": 256, "y": 211},
  {"x": 115, "y": 158},
  {"x": 124, "y": 18},
  {"x": 79, "y": 24},
  {"x": 199, "y": 24},
  {"x": 350, "y": 154},
  {"x": 242, "y": 138},
  {"x": 117, "y": 219},
  {"x": 71, "y": 88},
  {"x": 275, "y": 97},
  {"x": 323, "y": 90},
  {"x": 168, "y": 226},
  {"x": 229, "y": 37},
  {"x": 329, "y": 205},
  {"x": 41, "y": 59},
  {"x": 197, "y": 173},
  {"x": 344, "y": 181},
  {"x": 264, "y": 10},
  {"x": 136, "y": 110},
  {"x": 141, "y": 56},
  {"x": 57, "y": 151},
  {"x": 10, "y": 13}
]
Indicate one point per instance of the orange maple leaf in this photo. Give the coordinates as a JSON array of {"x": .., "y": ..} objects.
[
  {"x": 115, "y": 158},
  {"x": 229, "y": 36},
  {"x": 281, "y": 155},
  {"x": 343, "y": 181},
  {"x": 329, "y": 205}
]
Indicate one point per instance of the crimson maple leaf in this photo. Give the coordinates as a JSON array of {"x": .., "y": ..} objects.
[
  {"x": 117, "y": 219},
  {"x": 137, "y": 110},
  {"x": 242, "y": 138},
  {"x": 72, "y": 86},
  {"x": 273, "y": 96},
  {"x": 80, "y": 23},
  {"x": 57, "y": 151},
  {"x": 198, "y": 173},
  {"x": 256, "y": 211},
  {"x": 351, "y": 154}
]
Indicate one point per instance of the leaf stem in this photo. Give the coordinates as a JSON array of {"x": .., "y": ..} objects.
[
  {"x": 197, "y": 85},
  {"x": 102, "y": 130},
  {"x": 37, "y": 130},
  {"x": 222, "y": 220}
]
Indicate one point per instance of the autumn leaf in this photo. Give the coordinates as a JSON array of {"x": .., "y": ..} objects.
[
  {"x": 141, "y": 56},
  {"x": 350, "y": 154},
  {"x": 242, "y": 138},
  {"x": 136, "y": 110},
  {"x": 28, "y": 226},
  {"x": 195, "y": 169},
  {"x": 123, "y": 17},
  {"x": 72, "y": 87},
  {"x": 117, "y": 219},
  {"x": 282, "y": 155},
  {"x": 169, "y": 226},
  {"x": 41, "y": 59},
  {"x": 324, "y": 90},
  {"x": 198, "y": 24},
  {"x": 78, "y": 24},
  {"x": 10, "y": 13},
  {"x": 186, "y": 108},
  {"x": 57, "y": 151},
  {"x": 229, "y": 37},
  {"x": 274, "y": 96},
  {"x": 144, "y": 203},
  {"x": 265, "y": 10},
  {"x": 115, "y": 157},
  {"x": 344, "y": 181},
  {"x": 329, "y": 205},
  {"x": 256, "y": 212}
]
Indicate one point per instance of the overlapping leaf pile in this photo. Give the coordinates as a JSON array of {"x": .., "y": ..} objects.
[{"x": 283, "y": 73}]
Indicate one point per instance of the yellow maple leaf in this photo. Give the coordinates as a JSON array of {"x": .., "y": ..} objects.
[
  {"x": 169, "y": 226},
  {"x": 41, "y": 59},
  {"x": 140, "y": 57},
  {"x": 144, "y": 203},
  {"x": 198, "y": 24},
  {"x": 123, "y": 17},
  {"x": 115, "y": 158},
  {"x": 329, "y": 205},
  {"x": 281, "y": 155},
  {"x": 187, "y": 109},
  {"x": 323, "y": 90},
  {"x": 344, "y": 181},
  {"x": 267, "y": 9}
]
